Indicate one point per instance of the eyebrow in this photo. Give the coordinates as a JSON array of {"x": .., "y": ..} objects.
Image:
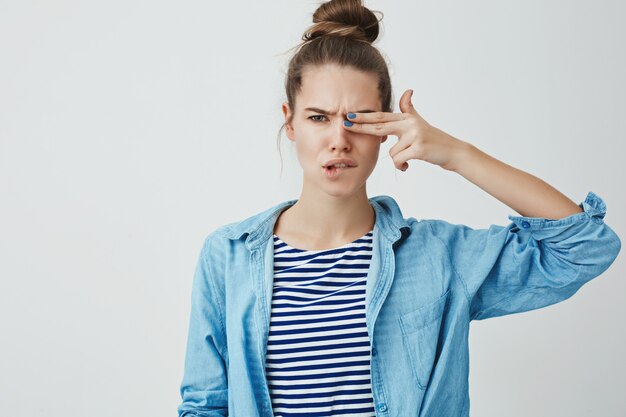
[{"x": 327, "y": 112}]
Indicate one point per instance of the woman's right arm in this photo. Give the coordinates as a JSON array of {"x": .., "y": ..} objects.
[{"x": 204, "y": 387}]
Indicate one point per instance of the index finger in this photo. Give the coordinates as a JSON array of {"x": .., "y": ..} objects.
[{"x": 375, "y": 117}]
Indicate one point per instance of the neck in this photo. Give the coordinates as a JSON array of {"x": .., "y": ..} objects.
[{"x": 324, "y": 217}]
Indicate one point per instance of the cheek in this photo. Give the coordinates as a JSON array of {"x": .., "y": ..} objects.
[
  {"x": 373, "y": 153},
  {"x": 370, "y": 147},
  {"x": 307, "y": 150}
]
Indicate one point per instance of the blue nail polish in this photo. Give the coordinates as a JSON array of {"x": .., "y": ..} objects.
[
  {"x": 347, "y": 123},
  {"x": 351, "y": 115}
]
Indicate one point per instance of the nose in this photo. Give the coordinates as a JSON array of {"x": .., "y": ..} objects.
[{"x": 340, "y": 136}]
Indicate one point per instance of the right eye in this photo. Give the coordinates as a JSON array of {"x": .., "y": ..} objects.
[{"x": 317, "y": 115}]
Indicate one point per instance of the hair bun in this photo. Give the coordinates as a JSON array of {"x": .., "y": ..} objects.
[{"x": 347, "y": 18}]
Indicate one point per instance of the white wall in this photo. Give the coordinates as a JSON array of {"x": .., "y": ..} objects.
[{"x": 131, "y": 129}]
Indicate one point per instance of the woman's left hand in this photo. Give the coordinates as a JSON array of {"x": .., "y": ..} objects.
[{"x": 417, "y": 138}]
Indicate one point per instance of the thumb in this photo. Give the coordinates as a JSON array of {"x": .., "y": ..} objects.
[{"x": 405, "y": 103}]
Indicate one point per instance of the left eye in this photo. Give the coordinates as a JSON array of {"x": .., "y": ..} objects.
[{"x": 317, "y": 115}]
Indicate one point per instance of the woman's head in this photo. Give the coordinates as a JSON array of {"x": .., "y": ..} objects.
[{"x": 336, "y": 69}]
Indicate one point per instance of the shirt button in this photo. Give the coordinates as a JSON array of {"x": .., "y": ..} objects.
[
  {"x": 373, "y": 351},
  {"x": 525, "y": 224},
  {"x": 382, "y": 407}
]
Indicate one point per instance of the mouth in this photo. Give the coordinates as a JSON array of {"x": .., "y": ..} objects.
[{"x": 333, "y": 170}]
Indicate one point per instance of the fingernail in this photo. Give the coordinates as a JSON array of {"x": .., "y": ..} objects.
[
  {"x": 351, "y": 115},
  {"x": 347, "y": 123}
]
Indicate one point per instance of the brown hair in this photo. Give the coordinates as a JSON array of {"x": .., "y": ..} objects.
[{"x": 342, "y": 33}]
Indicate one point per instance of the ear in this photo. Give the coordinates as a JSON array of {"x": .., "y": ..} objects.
[{"x": 288, "y": 127}]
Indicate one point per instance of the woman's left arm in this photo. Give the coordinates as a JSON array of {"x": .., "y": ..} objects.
[
  {"x": 523, "y": 192},
  {"x": 540, "y": 258}
]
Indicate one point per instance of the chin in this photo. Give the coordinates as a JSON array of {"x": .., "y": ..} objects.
[{"x": 341, "y": 189}]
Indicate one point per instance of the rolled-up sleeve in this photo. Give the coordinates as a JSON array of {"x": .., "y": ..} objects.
[
  {"x": 204, "y": 389},
  {"x": 532, "y": 262}
]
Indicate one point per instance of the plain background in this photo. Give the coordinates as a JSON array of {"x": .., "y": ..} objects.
[{"x": 129, "y": 130}]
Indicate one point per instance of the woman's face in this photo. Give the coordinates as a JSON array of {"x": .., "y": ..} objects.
[{"x": 328, "y": 93}]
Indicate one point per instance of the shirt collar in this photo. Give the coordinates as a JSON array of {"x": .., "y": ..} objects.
[{"x": 259, "y": 227}]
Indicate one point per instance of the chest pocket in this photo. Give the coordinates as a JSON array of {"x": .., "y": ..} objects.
[{"x": 420, "y": 335}]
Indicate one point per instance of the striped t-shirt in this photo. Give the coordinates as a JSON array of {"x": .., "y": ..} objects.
[{"x": 318, "y": 349}]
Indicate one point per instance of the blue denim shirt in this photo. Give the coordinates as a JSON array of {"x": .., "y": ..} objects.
[{"x": 427, "y": 280}]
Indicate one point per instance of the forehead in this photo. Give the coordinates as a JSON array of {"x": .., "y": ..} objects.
[{"x": 334, "y": 87}]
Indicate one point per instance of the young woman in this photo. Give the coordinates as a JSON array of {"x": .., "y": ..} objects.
[{"x": 335, "y": 304}]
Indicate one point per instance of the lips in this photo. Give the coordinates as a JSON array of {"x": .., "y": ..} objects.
[
  {"x": 332, "y": 172},
  {"x": 348, "y": 162}
]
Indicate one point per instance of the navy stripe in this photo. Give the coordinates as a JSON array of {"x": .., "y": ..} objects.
[
  {"x": 319, "y": 357},
  {"x": 296, "y": 386}
]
